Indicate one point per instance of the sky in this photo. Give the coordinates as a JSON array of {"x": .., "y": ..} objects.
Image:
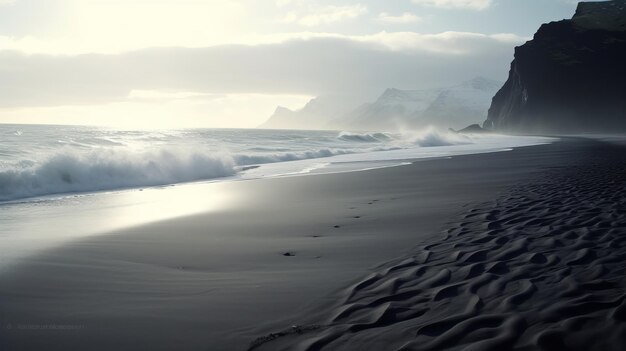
[{"x": 229, "y": 63}]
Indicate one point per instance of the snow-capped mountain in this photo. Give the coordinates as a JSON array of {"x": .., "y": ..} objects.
[
  {"x": 392, "y": 110},
  {"x": 454, "y": 107},
  {"x": 459, "y": 106}
]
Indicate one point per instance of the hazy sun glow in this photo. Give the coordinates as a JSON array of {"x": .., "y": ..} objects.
[
  {"x": 230, "y": 63},
  {"x": 153, "y": 109},
  {"x": 111, "y": 26}
]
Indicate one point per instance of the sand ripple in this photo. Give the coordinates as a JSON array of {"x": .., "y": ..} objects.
[{"x": 541, "y": 268}]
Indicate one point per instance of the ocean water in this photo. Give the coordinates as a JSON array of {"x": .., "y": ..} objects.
[
  {"x": 60, "y": 183},
  {"x": 43, "y": 160}
]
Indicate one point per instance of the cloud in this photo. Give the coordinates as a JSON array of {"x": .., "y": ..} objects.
[
  {"x": 314, "y": 16},
  {"x": 406, "y": 17},
  {"x": 451, "y": 42},
  {"x": 160, "y": 95},
  {"x": 79, "y": 26},
  {"x": 282, "y": 3},
  {"x": 238, "y": 85},
  {"x": 299, "y": 65},
  {"x": 456, "y": 4},
  {"x": 162, "y": 109}
]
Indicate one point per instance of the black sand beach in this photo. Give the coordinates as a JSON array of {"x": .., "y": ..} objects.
[
  {"x": 511, "y": 250},
  {"x": 541, "y": 267}
]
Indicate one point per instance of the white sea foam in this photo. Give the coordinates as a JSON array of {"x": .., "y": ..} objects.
[
  {"x": 69, "y": 171},
  {"x": 47, "y": 160},
  {"x": 365, "y": 137},
  {"x": 427, "y": 137},
  {"x": 103, "y": 169},
  {"x": 430, "y": 137}
]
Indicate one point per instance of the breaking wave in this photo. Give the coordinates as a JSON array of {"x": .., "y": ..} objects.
[
  {"x": 116, "y": 168},
  {"x": 365, "y": 137},
  {"x": 105, "y": 169},
  {"x": 427, "y": 137},
  {"x": 72, "y": 169},
  {"x": 433, "y": 137}
]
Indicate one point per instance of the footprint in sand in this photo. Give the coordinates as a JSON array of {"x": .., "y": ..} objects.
[{"x": 527, "y": 270}]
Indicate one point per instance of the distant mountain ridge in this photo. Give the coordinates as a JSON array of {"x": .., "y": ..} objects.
[
  {"x": 461, "y": 105},
  {"x": 395, "y": 109},
  {"x": 570, "y": 77},
  {"x": 316, "y": 114}
]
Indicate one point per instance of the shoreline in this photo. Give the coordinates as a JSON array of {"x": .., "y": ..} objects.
[
  {"x": 540, "y": 267},
  {"x": 40, "y": 222},
  {"x": 214, "y": 281},
  {"x": 390, "y": 156}
]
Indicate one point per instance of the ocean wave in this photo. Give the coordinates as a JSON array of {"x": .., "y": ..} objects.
[
  {"x": 427, "y": 137},
  {"x": 289, "y": 156},
  {"x": 69, "y": 171},
  {"x": 365, "y": 137},
  {"x": 74, "y": 169},
  {"x": 431, "y": 137},
  {"x": 105, "y": 169}
]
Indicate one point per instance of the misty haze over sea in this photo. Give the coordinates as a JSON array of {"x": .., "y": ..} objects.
[
  {"x": 47, "y": 160},
  {"x": 312, "y": 175}
]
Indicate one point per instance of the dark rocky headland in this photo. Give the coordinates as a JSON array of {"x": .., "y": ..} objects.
[{"x": 570, "y": 78}]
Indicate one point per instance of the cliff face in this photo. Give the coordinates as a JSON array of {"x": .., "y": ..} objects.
[{"x": 570, "y": 78}]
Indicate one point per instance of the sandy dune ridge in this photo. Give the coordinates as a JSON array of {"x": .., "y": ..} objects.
[{"x": 543, "y": 267}]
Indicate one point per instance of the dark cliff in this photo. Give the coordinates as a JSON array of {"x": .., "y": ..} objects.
[{"x": 570, "y": 78}]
